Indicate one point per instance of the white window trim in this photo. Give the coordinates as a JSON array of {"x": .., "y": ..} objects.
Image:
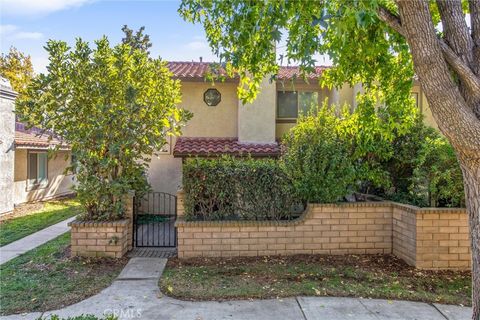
[{"x": 38, "y": 185}]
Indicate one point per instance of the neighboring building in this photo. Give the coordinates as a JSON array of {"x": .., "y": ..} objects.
[
  {"x": 38, "y": 174},
  {"x": 27, "y": 171},
  {"x": 7, "y": 147},
  {"x": 221, "y": 124}
]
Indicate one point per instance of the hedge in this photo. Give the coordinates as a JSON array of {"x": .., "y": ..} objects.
[{"x": 237, "y": 189}]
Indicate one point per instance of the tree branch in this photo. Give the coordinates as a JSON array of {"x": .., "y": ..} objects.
[
  {"x": 392, "y": 20},
  {"x": 455, "y": 29},
  {"x": 472, "y": 82}
]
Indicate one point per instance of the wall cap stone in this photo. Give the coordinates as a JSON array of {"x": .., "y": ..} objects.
[
  {"x": 181, "y": 222},
  {"x": 80, "y": 223}
]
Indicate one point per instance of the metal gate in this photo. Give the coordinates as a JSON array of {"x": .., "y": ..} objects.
[{"x": 154, "y": 220}]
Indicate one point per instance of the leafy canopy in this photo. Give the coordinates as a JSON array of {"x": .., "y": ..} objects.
[
  {"x": 244, "y": 34},
  {"x": 17, "y": 68},
  {"x": 115, "y": 107},
  {"x": 138, "y": 40}
]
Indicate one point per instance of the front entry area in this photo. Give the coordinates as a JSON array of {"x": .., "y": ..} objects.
[{"x": 154, "y": 220}]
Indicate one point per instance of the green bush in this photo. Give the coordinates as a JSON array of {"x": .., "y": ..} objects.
[
  {"x": 328, "y": 156},
  {"x": 237, "y": 189},
  {"x": 317, "y": 159},
  {"x": 423, "y": 170}
]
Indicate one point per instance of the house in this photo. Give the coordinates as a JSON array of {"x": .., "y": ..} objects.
[
  {"x": 27, "y": 171},
  {"x": 221, "y": 124}
]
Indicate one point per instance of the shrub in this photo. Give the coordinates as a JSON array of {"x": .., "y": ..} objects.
[
  {"x": 423, "y": 170},
  {"x": 114, "y": 106},
  {"x": 317, "y": 159},
  {"x": 237, "y": 189}
]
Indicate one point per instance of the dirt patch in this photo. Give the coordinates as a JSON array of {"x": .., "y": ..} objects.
[
  {"x": 373, "y": 276},
  {"x": 29, "y": 208},
  {"x": 376, "y": 263},
  {"x": 24, "y": 209}
]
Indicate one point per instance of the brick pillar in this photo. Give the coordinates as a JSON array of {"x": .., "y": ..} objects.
[
  {"x": 129, "y": 215},
  {"x": 180, "y": 203}
]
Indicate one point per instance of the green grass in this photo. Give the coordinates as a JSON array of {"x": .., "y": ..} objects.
[
  {"x": 377, "y": 276},
  {"x": 53, "y": 212},
  {"x": 47, "y": 278}
]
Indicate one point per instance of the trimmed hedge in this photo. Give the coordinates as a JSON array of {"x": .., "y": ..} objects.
[{"x": 237, "y": 189}]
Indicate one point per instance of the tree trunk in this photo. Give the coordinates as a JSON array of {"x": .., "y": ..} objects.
[
  {"x": 454, "y": 112},
  {"x": 471, "y": 182}
]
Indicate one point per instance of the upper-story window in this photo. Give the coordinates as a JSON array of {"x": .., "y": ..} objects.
[
  {"x": 37, "y": 171},
  {"x": 291, "y": 103}
]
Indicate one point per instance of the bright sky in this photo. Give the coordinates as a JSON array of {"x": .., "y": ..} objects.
[{"x": 28, "y": 24}]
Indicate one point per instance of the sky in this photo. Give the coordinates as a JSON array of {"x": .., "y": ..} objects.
[{"x": 28, "y": 24}]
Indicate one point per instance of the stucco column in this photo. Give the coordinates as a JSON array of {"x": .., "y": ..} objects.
[
  {"x": 7, "y": 146},
  {"x": 256, "y": 120}
]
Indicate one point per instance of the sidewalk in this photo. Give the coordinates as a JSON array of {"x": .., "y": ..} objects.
[
  {"x": 135, "y": 295},
  {"x": 32, "y": 241}
]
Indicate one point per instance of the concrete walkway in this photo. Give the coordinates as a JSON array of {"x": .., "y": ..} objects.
[
  {"x": 135, "y": 295},
  {"x": 32, "y": 241}
]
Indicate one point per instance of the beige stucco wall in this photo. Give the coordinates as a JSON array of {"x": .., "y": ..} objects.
[
  {"x": 165, "y": 171},
  {"x": 216, "y": 121},
  {"x": 58, "y": 183},
  {"x": 424, "y": 107},
  {"x": 256, "y": 120}
]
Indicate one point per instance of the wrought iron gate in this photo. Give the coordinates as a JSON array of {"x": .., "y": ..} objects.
[{"x": 154, "y": 220}]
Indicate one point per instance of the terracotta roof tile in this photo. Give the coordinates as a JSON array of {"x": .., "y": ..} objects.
[
  {"x": 34, "y": 138},
  {"x": 205, "y": 147},
  {"x": 192, "y": 70},
  {"x": 198, "y": 70},
  {"x": 287, "y": 73}
]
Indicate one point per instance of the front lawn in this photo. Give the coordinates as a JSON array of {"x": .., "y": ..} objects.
[
  {"x": 47, "y": 278},
  {"x": 367, "y": 276},
  {"x": 47, "y": 214}
]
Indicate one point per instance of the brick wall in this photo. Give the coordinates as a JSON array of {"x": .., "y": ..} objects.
[
  {"x": 359, "y": 228},
  {"x": 425, "y": 238},
  {"x": 100, "y": 239},
  {"x": 442, "y": 239},
  {"x": 404, "y": 233}
]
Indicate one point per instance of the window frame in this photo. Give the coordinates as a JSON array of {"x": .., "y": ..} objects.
[
  {"x": 37, "y": 184},
  {"x": 299, "y": 92}
]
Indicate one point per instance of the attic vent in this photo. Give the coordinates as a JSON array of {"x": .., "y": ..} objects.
[{"x": 212, "y": 97}]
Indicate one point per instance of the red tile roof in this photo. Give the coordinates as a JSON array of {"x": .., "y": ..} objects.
[
  {"x": 212, "y": 147},
  {"x": 287, "y": 73},
  {"x": 193, "y": 70},
  {"x": 34, "y": 138},
  {"x": 198, "y": 71}
]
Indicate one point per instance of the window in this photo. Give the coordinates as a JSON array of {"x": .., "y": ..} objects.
[
  {"x": 291, "y": 103},
  {"x": 37, "y": 169}
]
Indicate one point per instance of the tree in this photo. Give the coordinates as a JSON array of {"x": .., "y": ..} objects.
[
  {"x": 114, "y": 106},
  {"x": 17, "y": 68},
  {"x": 377, "y": 42},
  {"x": 138, "y": 40}
]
